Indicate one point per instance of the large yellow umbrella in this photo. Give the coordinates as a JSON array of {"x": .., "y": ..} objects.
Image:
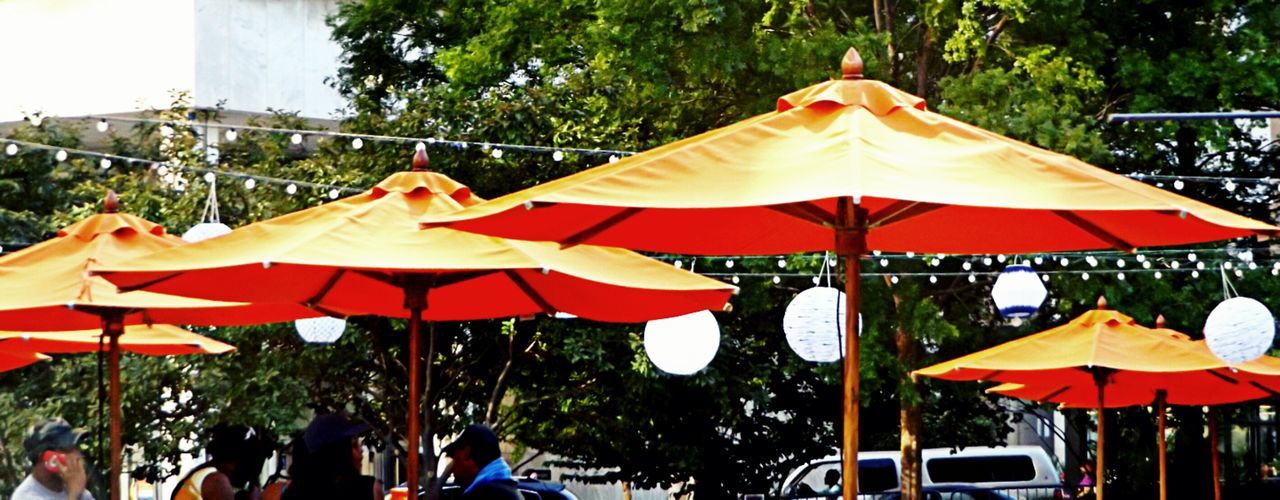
[
  {"x": 850, "y": 165},
  {"x": 49, "y": 287},
  {"x": 365, "y": 254}
]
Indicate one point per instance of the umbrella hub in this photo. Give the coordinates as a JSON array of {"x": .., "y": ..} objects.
[
  {"x": 110, "y": 223},
  {"x": 422, "y": 182}
]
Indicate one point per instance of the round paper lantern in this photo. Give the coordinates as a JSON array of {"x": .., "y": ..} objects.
[
  {"x": 204, "y": 231},
  {"x": 814, "y": 324},
  {"x": 684, "y": 344},
  {"x": 1018, "y": 292},
  {"x": 1239, "y": 329},
  {"x": 322, "y": 330}
]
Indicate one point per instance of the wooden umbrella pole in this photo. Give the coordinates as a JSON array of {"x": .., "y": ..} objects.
[
  {"x": 415, "y": 300},
  {"x": 1101, "y": 469},
  {"x": 1160, "y": 445},
  {"x": 113, "y": 327},
  {"x": 1213, "y": 453},
  {"x": 851, "y": 244}
]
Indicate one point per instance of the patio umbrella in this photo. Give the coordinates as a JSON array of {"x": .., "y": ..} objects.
[
  {"x": 366, "y": 254},
  {"x": 48, "y": 287},
  {"x": 850, "y": 165},
  {"x": 150, "y": 340},
  {"x": 1231, "y": 383},
  {"x": 1104, "y": 359}
]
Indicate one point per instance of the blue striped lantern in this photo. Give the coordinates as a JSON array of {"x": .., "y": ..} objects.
[{"x": 1018, "y": 292}]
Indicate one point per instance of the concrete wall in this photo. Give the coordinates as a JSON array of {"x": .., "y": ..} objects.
[{"x": 78, "y": 57}]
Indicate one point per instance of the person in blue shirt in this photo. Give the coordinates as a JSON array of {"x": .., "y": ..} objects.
[{"x": 478, "y": 466}]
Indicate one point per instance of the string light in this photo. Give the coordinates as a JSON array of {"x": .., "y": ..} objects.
[
  {"x": 231, "y": 135},
  {"x": 357, "y": 143},
  {"x": 11, "y": 149},
  {"x": 105, "y": 163},
  {"x": 782, "y": 263},
  {"x": 557, "y": 156},
  {"x": 291, "y": 188},
  {"x": 61, "y": 155},
  {"x": 729, "y": 263},
  {"x": 103, "y": 125},
  {"x": 497, "y": 153},
  {"x": 250, "y": 183},
  {"x": 296, "y": 139}
]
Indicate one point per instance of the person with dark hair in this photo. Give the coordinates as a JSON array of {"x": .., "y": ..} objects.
[
  {"x": 57, "y": 466},
  {"x": 236, "y": 454},
  {"x": 832, "y": 482},
  {"x": 478, "y": 465},
  {"x": 326, "y": 464}
]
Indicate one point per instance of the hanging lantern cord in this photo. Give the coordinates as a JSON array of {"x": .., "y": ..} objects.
[
  {"x": 1228, "y": 290},
  {"x": 211, "y": 203}
]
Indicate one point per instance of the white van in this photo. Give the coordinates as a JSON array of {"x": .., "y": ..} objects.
[{"x": 981, "y": 466}]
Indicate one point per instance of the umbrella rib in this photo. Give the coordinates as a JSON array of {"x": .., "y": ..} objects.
[
  {"x": 529, "y": 291},
  {"x": 1094, "y": 230},
  {"x": 600, "y": 227},
  {"x": 1055, "y": 394},
  {"x": 459, "y": 277},
  {"x": 899, "y": 211},
  {"x": 1264, "y": 388},
  {"x": 324, "y": 290},
  {"x": 805, "y": 211},
  {"x": 146, "y": 284},
  {"x": 1224, "y": 377}
]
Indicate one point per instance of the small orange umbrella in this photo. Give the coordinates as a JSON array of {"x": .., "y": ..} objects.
[
  {"x": 48, "y": 287},
  {"x": 365, "y": 254},
  {"x": 850, "y": 165},
  {"x": 1104, "y": 359},
  {"x": 149, "y": 340}
]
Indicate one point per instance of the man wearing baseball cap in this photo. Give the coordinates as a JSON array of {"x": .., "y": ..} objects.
[
  {"x": 57, "y": 467},
  {"x": 478, "y": 466}
]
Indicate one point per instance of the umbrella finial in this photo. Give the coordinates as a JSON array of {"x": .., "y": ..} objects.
[
  {"x": 421, "y": 161},
  {"x": 110, "y": 204},
  {"x": 1102, "y": 302},
  {"x": 851, "y": 65},
  {"x": 1160, "y": 321}
]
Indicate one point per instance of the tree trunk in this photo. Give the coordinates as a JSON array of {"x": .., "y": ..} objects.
[
  {"x": 922, "y": 62},
  {"x": 909, "y": 410},
  {"x": 894, "y": 67}
]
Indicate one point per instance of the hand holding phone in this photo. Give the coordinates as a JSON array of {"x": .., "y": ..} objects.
[{"x": 54, "y": 461}]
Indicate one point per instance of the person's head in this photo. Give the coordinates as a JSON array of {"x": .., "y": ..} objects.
[
  {"x": 832, "y": 478},
  {"x": 237, "y": 451},
  {"x": 475, "y": 448},
  {"x": 53, "y": 434},
  {"x": 333, "y": 444}
]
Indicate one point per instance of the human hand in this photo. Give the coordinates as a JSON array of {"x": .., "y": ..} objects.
[{"x": 73, "y": 476}]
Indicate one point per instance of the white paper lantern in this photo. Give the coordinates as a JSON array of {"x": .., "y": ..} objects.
[
  {"x": 1239, "y": 329},
  {"x": 684, "y": 344},
  {"x": 204, "y": 231},
  {"x": 1018, "y": 292},
  {"x": 322, "y": 330},
  {"x": 813, "y": 322}
]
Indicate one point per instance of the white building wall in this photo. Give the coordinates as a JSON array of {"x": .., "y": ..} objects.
[{"x": 79, "y": 57}]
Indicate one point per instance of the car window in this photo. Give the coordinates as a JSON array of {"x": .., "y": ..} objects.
[
  {"x": 877, "y": 475},
  {"x": 530, "y": 495},
  {"x": 981, "y": 469}
]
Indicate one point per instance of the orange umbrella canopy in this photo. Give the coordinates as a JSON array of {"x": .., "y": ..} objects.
[
  {"x": 18, "y": 358},
  {"x": 770, "y": 184},
  {"x": 1063, "y": 364},
  {"x": 356, "y": 256},
  {"x": 48, "y": 286},
  {"x": 150, "y": 340}
]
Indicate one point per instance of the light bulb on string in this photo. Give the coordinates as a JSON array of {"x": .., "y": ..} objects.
[
  {"x": 333, "y": 194},
  {"x": 1253, "y": 266},
  {"x": 419, "y": 147},
  {"x": 1120, "y": 263},
  {"x": 1140, "y": 258},
  {"x": 1158, "y": 274},
  {"x": 1195, "y": 274},
  {"x": 911, "y": 255},
  {"x": 61, "y": 155},
  {"x": 884, "y": 262},
  {"x": 1275, "y": 272},
  {"x": 815, "y": 280},
  {"x": 357, "y": 143},
  {"x": 1175, "y": 264},
  {"x": 291, "y": 188},
  {"x": 1200, "y": 265},
  {"x": 933, "y": 279},
  {"x": 209, "y": 177},
  {"x": 735, "y": 279},
  {"x": 986, "y": 261},
  {"x": 972, "y": 278},
  {"x": 105, "y": 163},
  {"x": 103, "y": 125},
  {"x": 1146, "y": 264},
  {"x": 557, "y": 156},
  {"x": 728, "y": 263},
  {"x": 782, "y": 263},
  {"x": 1229, "y": 186},
  {"x": 36, "y": 120},
  {"x": 1038, "y": 260},
  {"x": 1044, "y": 278},
  {"x": 777, "y": 280},
  {"x": 1239, "y": 273},
  {"x": 678, "y": 263},
  {"x": 1178, "y": 184},
  {"x": 250, "y": 183},
  {"x": 1120, "y": 276},
  {"x": 875, "y": 253},
  {"x": 296, "y": 139},
  {"x": 613, "y": 158},
  {"x": 1001, "y": 258},
  {"x": 11, "y": 149},
  {"x": 1064, "y": 262},
  {"x": 1227, "y": 265},
  {"x": 497, "y": 153},
  {"x": 893, "y": 279},
  {"x": 934, "y": 262},
  {"x": 1191, "y": 257},
  {"x": 966, "y": 266},
  {"x": 231, "y": 135}
]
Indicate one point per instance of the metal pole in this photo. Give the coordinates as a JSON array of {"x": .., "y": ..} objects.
[
  {"x": 851, "y": 244},
  {"x": 1213, "y": 452}
]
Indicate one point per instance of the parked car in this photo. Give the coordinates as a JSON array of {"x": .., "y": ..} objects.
[
  {"x": 1025, "y": 468},
  {"x": 530, "y": 489},
  {"x": 954, "y": 492}
]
